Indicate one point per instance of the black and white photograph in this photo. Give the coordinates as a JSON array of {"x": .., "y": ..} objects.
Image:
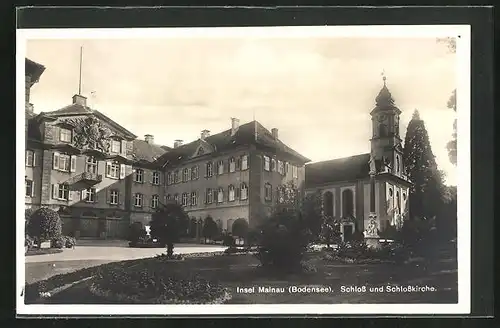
[{"x": 202, "y": 170}]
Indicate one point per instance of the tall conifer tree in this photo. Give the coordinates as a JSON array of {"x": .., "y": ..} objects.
[{"x": 426, "y": 194}]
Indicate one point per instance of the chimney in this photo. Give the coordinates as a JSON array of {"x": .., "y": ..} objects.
[
  {"x": 149, "y": 139},
  {"x": 204, "y": 134},
  {"x": 29, "y": 108},
  {"x": 80, "y": 100},
  {"x": 235, "y": 124},
  {"x": 177, "y": 143},
  {"x": 274, "y": 131}
]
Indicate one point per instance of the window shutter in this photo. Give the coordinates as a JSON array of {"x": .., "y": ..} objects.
[
  {"x": 26, "y": 158},
  {"x": 122, "y": 171},
  {"x": 57, "y": 134},
  {"x": 237, "y": 192},
  {"x": 32, "y": 188},
  {"x": 83, "y": 194},
  {"x": 238, "y": 163},
  {"x": 120, "y": 198},
  {"x": 55, "y": 191},
  {"x": 108, "y": 196},
  {"x": 108, "y": 169},
  {"x": 124, "y": 147},
  {"x": 206, "y": 196},
  {"x": 73, "y": 164},
  {"x": 70, "y": 194},
  {"x": 35, "y": 158},
  {"x": 96, "y": 195},
  {"x": 55, "y": 161}
]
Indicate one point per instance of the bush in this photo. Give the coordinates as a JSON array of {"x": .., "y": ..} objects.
[
  {"x": 166, "y": 223},
  {"x": 136, "y": 232},
  {"x": 45, "y": 224},
  {"x": 69, "y": 242},
  {"x": 29, "y": 242},
  {"x": 240, "y": 228},
  {"x": 58, "y": 242},
  {"x": 27, "y": 216},
  {"x": 210, "y": 229},
  {"x": 284, "y": 241},
  {"x": 228, "y": 240}
]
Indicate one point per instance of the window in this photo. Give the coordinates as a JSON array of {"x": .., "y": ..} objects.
[
  {"x": 194, "y": 198},
  {"x": 29, "y": 188},
  {"x": 156, "y": 178},
  {"x": 220, "y": 195},
  {"x": 200, "y": 152},
  {"x": 176, "y": 198},
  {"x": 113, "y": 197},
  {"x": 63, "y": 162},
  {"x": 31, "y": 158},
  {"x": 64, "y": 135},
  {"x": 170, "y": 179},
  {"x": 138, "y": 200},
  {"x": 273, "y": 165},
  {"x": 177, "y": 176},
  {"x": 169, "y": 197},
  {"x": 139, "y": 175},
  {"x": 186, "y": 175},
  {"x": 89, "y": 195},
  {"x": 194, "y": 173},
  {"x": 328, "y": 203},
  {"x": 404, "y": 196},
  {"x": 347, "y": 203},
  {"x": 91, "y": 165},
  {"x": 209, "y": 169},
  {"x": 397, "y": 164},
  {"x": 209, "y": 196},
  {"x": 154, "y": 201},
  {"x": 185, "y": 199},
  {"x": 244, "y": 162},
  {"x": 268, "y": 192},
  {"x": 244, "y": 191},
  {"x": 232, "y": 164},
  {"x": 116, "y": 146},
  {"x": 220, "y": 167},
  {"x": 390, "y": 192},
  {"x": 231, "y": 193},
  {"x": 60, "y": 191},
  {"x": 267, "y": 164},
  {"x": 295, "y": 171},
  {"x": 281, "y": 168},
  {"x": 398, "y": 203},
  {"x": 113, "y": 170}
]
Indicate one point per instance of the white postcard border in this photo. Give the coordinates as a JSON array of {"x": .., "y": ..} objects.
[{"x": 389, "y": 31}]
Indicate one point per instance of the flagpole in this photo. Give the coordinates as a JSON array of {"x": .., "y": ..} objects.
[{"x": 80, "y": 79}]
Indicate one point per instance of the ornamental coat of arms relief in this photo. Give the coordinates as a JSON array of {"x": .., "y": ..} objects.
[{"x": 89, "y": 133}]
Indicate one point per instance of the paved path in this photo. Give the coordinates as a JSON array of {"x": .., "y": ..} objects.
[{"x": 116, "y": 251}]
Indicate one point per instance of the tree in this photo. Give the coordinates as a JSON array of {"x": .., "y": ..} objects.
[
  {"x": 45, "y": 224},
  {"x": 210, "y": 229},
  {"x": 240, "y": 228},
  {"x": 312, "y": 210},
  {"x": 426, "y": 193},
  {"x": 27, "y": 216},
  {"x": 452, "y": 104},
  {"x": 165, "y": 223},
  {"x": 330, "y": 231}
]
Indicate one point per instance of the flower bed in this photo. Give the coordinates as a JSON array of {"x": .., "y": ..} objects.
[
  {"x": 153, "y": 282},
  {"x": 42, "y": 251}
]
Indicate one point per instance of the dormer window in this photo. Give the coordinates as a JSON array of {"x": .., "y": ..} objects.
[
  {"x": 65, "y": 135},
  {"x": 116, "y": 146}
]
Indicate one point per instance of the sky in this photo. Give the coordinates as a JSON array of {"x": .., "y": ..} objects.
[{"x": 317, "y": 91}]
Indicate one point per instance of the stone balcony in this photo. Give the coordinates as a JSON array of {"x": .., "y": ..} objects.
[{"x": 86, "y": 177}]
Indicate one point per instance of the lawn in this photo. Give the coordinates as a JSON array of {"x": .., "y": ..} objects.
[{"x": 236, "y": 272}]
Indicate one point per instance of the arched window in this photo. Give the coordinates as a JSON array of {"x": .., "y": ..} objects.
[
  {"x": 186, "y": 175},
  {"x": 220, "y": 195},
  {"x": 328, "y": 203},
  {"x": 347, "y": 203},
  {"x": 232, "y": 164},
  {"x": 230, "y": 191},
  {"x": 382, "y": 130},
  {"x": 398, "y": 203},
  {"x": 210, "y": 169},
  {"x": 220, "y": 167},
  {"x": 244, "y": 191},
  {"x": 194, "y": 173}
]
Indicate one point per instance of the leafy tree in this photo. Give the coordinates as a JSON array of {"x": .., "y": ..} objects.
[
  {"x": 330, "y": 231},
  {"x": 27, "y": 216},
  {"x": 313, "y": 213},
  {"x": 165, "y": 223},
  {"x": 240, "y": 228},
  {"x": 210, "y": 229},
  {"x": 136, "y": 232},
  {"x": 426, "y": 193},
  {"x": 452, "y": 104},
  {"x": 45, "y": 224}
]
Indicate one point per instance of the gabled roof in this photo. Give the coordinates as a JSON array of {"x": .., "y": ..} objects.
[
  {"x": 77, "y": 109},
  {"x": 252, "y": 133},
  {"x": 33, "y": 69},
  {"x": 145, "y": 152},
  {"x": 341, "y": 169}
]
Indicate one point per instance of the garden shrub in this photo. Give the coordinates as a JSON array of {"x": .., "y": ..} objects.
[
  {"x": 136, "y": 232},
  {"x": 28, "y": 212},
  {"x": 228, "y": 240},
  {"x": 29, "y": 242},
  {"x": 69, "y": 242},
  {"x": 240, "y": 228},
  {"x": 58, "y": 242},
  {"x": 165, "y": 224},
  {"x": 210, "y": 229},
  {"x": 45, "y": 224}
]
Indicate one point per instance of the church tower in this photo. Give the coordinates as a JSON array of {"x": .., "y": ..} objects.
[{"x": 386, "y": 143}]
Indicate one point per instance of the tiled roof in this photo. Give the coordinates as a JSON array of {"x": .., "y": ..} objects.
[
  {"x": 143, "y": 151},
  {"x": 224, "y": 141},
  {"x": 340, "y": 169},
  {"x": 33, "y": 69}
]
